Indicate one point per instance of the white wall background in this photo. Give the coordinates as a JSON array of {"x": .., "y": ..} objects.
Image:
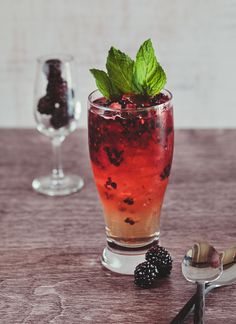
[{"x": 195, "y": 42}]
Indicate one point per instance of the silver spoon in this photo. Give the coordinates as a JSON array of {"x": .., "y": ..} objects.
[
  {"x": 228, "y": 277},
  {"x": 201, "y": 264}
]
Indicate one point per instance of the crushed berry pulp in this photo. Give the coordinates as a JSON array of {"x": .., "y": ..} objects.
[{"x": 131, "y": 149}]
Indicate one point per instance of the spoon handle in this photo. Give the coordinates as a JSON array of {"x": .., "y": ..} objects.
[
  {"x": 200, "y": 304},
  {"x": 189, "y": 307},
  {"x": 185, "y": 311}
]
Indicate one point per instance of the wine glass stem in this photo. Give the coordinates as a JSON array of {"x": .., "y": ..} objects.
[{"x": 57, "y": 171}]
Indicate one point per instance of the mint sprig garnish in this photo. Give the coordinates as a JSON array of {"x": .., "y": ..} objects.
[{"x": 144, "y": 76}]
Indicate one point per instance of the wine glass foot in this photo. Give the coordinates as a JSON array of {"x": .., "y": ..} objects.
[{"x": 59, "y": 187}]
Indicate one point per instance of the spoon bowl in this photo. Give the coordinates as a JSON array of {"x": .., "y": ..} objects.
[{"x": 202, "y": 263}]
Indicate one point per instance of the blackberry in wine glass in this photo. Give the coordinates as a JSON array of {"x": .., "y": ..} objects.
[{"x": 56, "y": 112}]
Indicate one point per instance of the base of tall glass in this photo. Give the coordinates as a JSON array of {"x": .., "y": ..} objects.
[
  {"x": 124, "y": 260},
  {"x": 58, "y": 187}
]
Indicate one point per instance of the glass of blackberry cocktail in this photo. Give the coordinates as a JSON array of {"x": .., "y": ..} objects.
[
  {"x": 131, "y": 146},
  {"x": 56, "y": 112},
  {"x": 131, "y": 153}
]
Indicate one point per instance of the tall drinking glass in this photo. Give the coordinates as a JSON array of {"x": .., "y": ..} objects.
[
  {"x": 56, "y": 111},
  {"x": 131, "y": 154}
]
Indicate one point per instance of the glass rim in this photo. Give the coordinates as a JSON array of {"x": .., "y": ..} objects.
[
  {"x": 159, "y": 106},
  {"x": 55, "y": 56}
]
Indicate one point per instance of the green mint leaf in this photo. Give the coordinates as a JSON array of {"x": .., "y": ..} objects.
[
  {"x": 120, "y": 70},
  {"x": 104, "y": 84},
  {"x": 149, "y": 77}
]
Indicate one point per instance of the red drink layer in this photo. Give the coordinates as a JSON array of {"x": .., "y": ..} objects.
[{"x": 131, "y": 154}]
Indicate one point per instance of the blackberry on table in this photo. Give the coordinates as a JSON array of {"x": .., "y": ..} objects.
[
  {"x": 161, "y": 258},
  {"x": 145, "y": 274}
]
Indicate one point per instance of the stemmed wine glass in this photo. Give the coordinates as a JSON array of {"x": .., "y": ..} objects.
[{"x": 56, "y": 112}]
